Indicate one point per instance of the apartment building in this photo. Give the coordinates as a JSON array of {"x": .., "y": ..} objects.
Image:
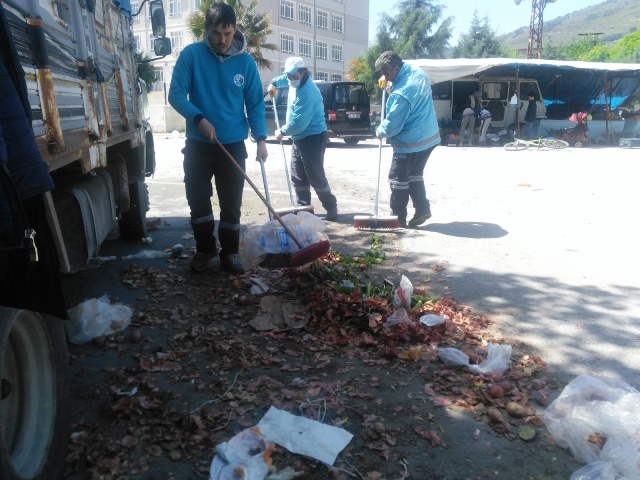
[{"x": 328, "y": 34}]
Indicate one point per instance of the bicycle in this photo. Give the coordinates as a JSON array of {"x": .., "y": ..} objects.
[{"x": 540, "y": 143}]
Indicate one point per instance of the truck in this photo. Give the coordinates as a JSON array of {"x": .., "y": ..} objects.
[{"x": 90, "y": 124}]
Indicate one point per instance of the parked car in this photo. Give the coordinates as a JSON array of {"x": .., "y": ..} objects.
[{"x": 346, "y": 109}]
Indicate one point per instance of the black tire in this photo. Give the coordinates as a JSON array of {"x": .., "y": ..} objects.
[
  {"x": 351, "y": 141},
  {"x": 34, "y": 395},
  {"x": 133, "y": 224}
]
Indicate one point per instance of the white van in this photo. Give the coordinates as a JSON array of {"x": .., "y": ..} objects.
[{"x": 451, "y": 97}]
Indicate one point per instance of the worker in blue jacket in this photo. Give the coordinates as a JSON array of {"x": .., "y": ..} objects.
[
  {"x": 214, "y": 83},
  {"x": 306, "y": 126},
  {"x": 411, "y": 126}
]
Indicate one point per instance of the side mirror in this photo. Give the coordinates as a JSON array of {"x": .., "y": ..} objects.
[
  {"x": 158, "y": 24},
  {"x": 162, "y": 46}
]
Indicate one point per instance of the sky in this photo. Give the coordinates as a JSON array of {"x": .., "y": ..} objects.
[{"x": 504, "y": 15}]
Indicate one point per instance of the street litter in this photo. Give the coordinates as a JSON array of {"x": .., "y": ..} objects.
[
  {"x": 431, "y": 320},
  {"x": 246, "y": 456},
  {"x": 145, "y": 254},
  {"x": 498, "y": 359},
  {"x": 401, "y": 301},
  {"x": 96, "y": 317},
  {"x": 258, "y": 241},
  {"x": 598, "y": 420},
  {"x": 279, "y": 315},
  {"x": 303, "y": 435},
  {"x": 258, "y": 287}
]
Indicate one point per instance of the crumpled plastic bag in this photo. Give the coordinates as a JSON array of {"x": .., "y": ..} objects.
[
  {"x": 96, "y": 317},
  {"x": 247, "y": 456},
  {"x": 257, "y": 241},
  {"x": 402, "y": 294},
  {"x": 498, "y": 359},
  {"x": 591, "y": 408}
]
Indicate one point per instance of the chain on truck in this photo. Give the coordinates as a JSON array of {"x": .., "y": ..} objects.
[{"x": 88, "y": 113}]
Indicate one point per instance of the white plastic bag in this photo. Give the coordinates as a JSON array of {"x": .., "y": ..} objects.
[
  {"x": 256, "y": 241},
  {"x": 498, "y": 359},
  {"x": 96, "y": 317},
  {"x": 402, "y": 294},
  {"x": 589, "y": 407},
  {"x": 246, "y": 456}
]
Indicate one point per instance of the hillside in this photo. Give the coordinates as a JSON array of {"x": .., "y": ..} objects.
[{"x": 613, "y": 18}]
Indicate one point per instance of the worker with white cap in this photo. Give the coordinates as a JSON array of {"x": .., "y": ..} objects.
[{"x": 305, "y": 124}]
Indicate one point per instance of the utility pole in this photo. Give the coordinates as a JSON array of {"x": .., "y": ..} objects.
[
  {"x": 534, "y": 46},
  {"x": 314, "y": 51}
]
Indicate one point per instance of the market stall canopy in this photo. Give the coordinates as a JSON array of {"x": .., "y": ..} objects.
[{"x": 567, "y": 82}]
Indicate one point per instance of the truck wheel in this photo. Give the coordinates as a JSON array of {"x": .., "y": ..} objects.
[
  {"x": 351, "y": 141},
  {"x": 133, "y": 224},
  {"x": 34, "y": 405}
]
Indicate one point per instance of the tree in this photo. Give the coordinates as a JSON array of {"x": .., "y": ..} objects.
[
  {"x": 479, "y": 42},
  {"x": 255, "y": 26},
  {"x": 415, "y": 32}
]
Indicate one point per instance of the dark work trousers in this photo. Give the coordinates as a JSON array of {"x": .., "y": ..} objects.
[
  {"x": 202, "y": 162},
  {"x": 406, "y": 180},
  {"x": 307, "y": 170}
]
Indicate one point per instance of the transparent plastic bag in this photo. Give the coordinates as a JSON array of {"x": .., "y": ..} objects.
[
  {"x": 402, "y": 294},
  {"x": 592, "y": 408},
  {"x": 498, "y": 359},
  {"x": 96, "y": 317},
  {"x": 257, "y": 241},
  {"x": 246, "y": 456}
]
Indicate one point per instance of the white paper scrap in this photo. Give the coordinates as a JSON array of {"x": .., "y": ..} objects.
[{"x": 304, "y": 436}]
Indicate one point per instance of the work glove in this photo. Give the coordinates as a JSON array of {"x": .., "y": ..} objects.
[
  {"x": 278, "y": 134},
  {"x": 272, "y": 90},
  {"x": 382, "y": 82}
]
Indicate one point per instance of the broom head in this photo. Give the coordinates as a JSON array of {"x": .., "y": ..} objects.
[
  {"x": 310, "y": 253},
  {"x": 372, "y": 222}
]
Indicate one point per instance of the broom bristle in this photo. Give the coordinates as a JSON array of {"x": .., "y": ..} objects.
[
  {"x": 376, "y": 223},
  {"x": 310, "y": 253}
]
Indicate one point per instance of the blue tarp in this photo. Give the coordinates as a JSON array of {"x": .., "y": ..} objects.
[{"x": 125, "y": 6}]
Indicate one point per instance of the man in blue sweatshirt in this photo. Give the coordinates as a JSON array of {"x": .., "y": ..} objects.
[
  {"x": 306, "y": 126},
  {"x": 411, "y": 126},
  {"x": 214, "y": 82}
]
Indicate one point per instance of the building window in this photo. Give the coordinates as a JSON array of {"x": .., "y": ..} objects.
[
  {"x": 136, "y": 42},
  {"x": 304, "y": 47},
  {"x": 336, "y": 23},
  {"x": 176, "y": 41},
  {"x": 336, "y": 53},
  {"x": 286, "y": 43},
  {"x": 175, "y": 7},
  {"x": 322, "y": 76},
  {"x": 286, "y": 9},
  {"x": 195, "y": 4},
  {"x": 322, "y": 19},
  {"x": 336, "y": 77},
  {"x": 158, "y": 79},
  {"x": 304, "y": 14},
  {"x": 321, "y": 50},
  {"x": 134, "y": 9}
]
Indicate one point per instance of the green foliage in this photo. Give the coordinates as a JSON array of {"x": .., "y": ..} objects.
[
  {"x": 255, "y": 26},
  {"x": 145, "y": 70},
  {"x": 626, "y": 50},
  {"x": 479, "y": 42},
  {"x": 417, "y": 31}
]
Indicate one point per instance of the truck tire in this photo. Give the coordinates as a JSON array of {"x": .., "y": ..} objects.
[
  {"x": 133, "y": 224},
  {"x": 34, "y": 402},
  {"x": 351, "y": 141}
]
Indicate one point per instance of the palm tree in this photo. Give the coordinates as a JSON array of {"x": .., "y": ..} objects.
[{"x": 255, "y": 26}]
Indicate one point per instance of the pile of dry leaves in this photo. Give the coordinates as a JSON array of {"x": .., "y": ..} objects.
[{"x": 190, "y": 372}]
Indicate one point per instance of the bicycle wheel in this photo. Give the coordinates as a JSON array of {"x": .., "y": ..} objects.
[
  {"x": 555, "y": 144},
  {"x": 517, "y": 145}
]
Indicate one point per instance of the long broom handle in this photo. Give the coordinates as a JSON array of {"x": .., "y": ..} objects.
[
  {"x": 382, "y": 107},
  {"x": 266, "y": 185},
  {"x": 264, "y": 200},
  {"x": 284, "y": 157}
]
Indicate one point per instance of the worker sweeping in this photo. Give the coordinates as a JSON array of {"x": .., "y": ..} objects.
[{"x": 411, "y": 125}]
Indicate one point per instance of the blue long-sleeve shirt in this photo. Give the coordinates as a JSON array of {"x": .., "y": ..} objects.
[
  {"x": 410, "y": 120},
  {"x": 305, "y": 109},
  {"x": 221, "y": 88}
]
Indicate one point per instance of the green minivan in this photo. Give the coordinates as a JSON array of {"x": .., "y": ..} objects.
[{"x": 346, "y": 110}]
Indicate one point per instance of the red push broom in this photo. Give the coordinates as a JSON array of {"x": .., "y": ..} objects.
[
  {"x": 293, "y": 208},
  {"x": 304, "y": 255},
  {"x": 375, "y": 221}
]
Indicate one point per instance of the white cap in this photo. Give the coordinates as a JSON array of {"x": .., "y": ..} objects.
[{"x": 293, "y": 64}]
